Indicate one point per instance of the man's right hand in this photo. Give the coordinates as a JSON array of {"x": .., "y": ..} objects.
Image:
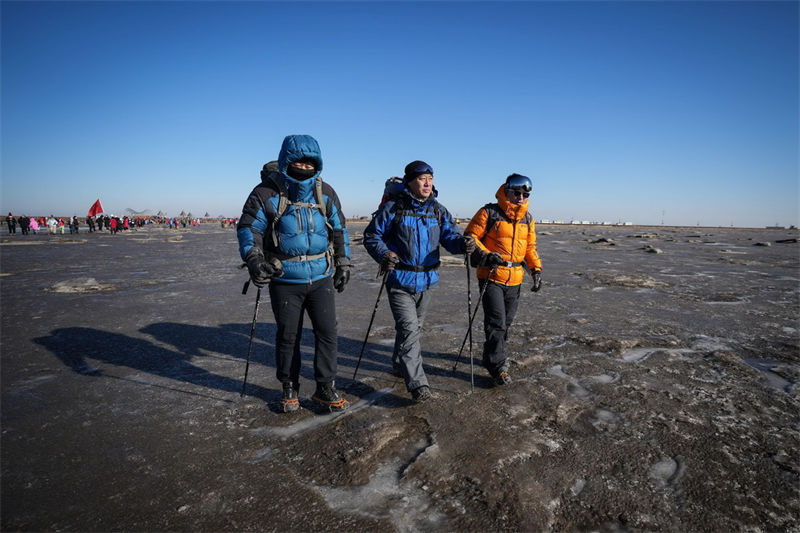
[
  {"x": 261, "y": 272},
  {"x": 493, "y": 260},
  {"x": 388, "y": 262}
]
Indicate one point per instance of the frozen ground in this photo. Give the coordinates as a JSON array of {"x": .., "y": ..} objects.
[{"x": 652, "y": 391}]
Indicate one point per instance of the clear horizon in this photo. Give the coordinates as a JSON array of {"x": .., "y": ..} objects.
[{"x": 673, "y": 113}]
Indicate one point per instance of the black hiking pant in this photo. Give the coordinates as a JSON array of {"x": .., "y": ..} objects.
[
  {"x": 499, "y": 308},
  {"x": 289, "y": 302}
]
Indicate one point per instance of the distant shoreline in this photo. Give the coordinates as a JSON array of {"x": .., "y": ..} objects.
[
  {"x": 463, "y": 221},
  {"x": 632, "y": 226}
]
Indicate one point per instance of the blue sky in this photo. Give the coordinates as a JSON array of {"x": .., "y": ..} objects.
[{"x": 681, "y": 112}]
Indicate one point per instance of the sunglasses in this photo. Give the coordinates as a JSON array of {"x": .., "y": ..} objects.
[{"x": 520, "y": 193}]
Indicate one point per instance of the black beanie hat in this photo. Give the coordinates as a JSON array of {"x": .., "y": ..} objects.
[{"x": 416, "y": 168}]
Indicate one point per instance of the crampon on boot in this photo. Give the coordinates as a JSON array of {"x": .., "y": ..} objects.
[
  {"x": 326, "y": 395},
  {"x": 289, "y": 400},
  {"x": 421, "y": 394},
  {"x": 503, "y": 378}
]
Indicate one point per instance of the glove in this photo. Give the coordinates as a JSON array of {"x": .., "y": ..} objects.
[
  {"x": 493, "y": 260},
  {"x": 340, "y": 277},
  {"x": 388, "y": 262},
  {"x": 537, "y": 280},
  {"x": 262, "y": 272},
  {"x": 469, "y": 244}
]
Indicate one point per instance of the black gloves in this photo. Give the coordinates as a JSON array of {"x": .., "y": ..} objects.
[
  {"x": 469, "y": 244},
  {"x": 261, "y": 271},
  {"x": 340, "y": 277},
  {"x": 388, "y": 262},
  {"x": 537, "y": 280},
  {"x": 493, "y": 260}
]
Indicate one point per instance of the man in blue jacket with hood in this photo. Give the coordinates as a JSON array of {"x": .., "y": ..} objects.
[
  {"x": 404, "y": 237},
  {"x": 293, "y": 237}
]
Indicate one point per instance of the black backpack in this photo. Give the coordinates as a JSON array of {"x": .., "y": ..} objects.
[
  {"x": 393, "y": 190},
  {"x": 495, "y": 215}
]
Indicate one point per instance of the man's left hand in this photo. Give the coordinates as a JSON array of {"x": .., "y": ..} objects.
[
  {"x": 469, "y": 244},
  {"x": 340, "y": 277},
  {"x": 537, "y": 280}
]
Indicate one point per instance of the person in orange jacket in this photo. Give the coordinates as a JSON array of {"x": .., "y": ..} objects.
[{"x": 505, "y": 235}]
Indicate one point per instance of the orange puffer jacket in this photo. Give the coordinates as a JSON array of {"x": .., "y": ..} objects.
[{"x": 513, "y": 239}]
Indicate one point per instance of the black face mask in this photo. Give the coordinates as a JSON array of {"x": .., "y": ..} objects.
[{"x": 299, "y": 173}]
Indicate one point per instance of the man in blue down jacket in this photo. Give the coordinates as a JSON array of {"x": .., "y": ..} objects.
[
  {"x": 293, "y": 237},
  {"x": 404, "y": 237}
]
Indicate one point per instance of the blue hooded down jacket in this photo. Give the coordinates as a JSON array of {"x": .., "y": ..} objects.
[
  {"x": 414, "y": 235},
  {"x": 301, "y": 236}
]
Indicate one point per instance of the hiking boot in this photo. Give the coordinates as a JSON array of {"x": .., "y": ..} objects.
[
  {"x": 289, "y": 400},
  {"x": 326, "y": 395},
  {"x": 421, "y": 394},
  {"x": 502, "y": 378}
]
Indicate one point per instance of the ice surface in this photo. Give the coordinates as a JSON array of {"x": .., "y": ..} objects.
[{"x": 649, "y": 391}]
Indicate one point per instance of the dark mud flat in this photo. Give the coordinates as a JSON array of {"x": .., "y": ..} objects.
[{"x": 652, "y": 391}]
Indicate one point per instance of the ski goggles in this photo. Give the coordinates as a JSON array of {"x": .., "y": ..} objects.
[
  {"x": 519, "y": 192},
  {"x": 422, "y": 169},
  {"x": 518, "y": 181}
]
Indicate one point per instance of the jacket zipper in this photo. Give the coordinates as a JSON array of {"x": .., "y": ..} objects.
[{"x": 513, "y": 242}]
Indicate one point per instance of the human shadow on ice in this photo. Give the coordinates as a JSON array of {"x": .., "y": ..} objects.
[
  {"x": 76, "y": 346},
  {"x": 233, "y": 339},
  {"x": 198, "y": 355}
]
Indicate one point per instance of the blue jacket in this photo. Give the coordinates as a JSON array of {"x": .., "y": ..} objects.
[
  {"x": 302, "y": 230},
  {"x": 415, "y": 238}
]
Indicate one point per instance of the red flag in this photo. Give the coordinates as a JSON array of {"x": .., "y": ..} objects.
[{"x": 96, "y": 208}]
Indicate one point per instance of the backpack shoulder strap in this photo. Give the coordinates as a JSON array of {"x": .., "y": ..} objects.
[
  {"x": 494, "y": 215},
  {"x": 437, "y": 211},
  {"x": 283, "y": 205},
  {"x": 402, "y": 209},
  {"x": 398, "y": 210},
  {"x": 283, "y": 197},
  {"x": 323, "y": 208}
]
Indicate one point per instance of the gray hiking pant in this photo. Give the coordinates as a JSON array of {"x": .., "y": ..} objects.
[{"x": 409, "y": 313}]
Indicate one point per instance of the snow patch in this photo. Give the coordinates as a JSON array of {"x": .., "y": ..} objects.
[
  {"x": 389, "y": 495},
  {"x": 667, "y": 471}
]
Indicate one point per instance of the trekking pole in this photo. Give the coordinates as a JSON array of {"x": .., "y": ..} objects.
[
  {"x": 252, "y": 332},
  {"x": 375, "y": 310},
  {"x": 472, "y": 318},
  {"x": 469, "y": 306}
]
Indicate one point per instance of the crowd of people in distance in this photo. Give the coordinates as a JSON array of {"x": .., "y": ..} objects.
[{"x": 98, "y": 223}]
